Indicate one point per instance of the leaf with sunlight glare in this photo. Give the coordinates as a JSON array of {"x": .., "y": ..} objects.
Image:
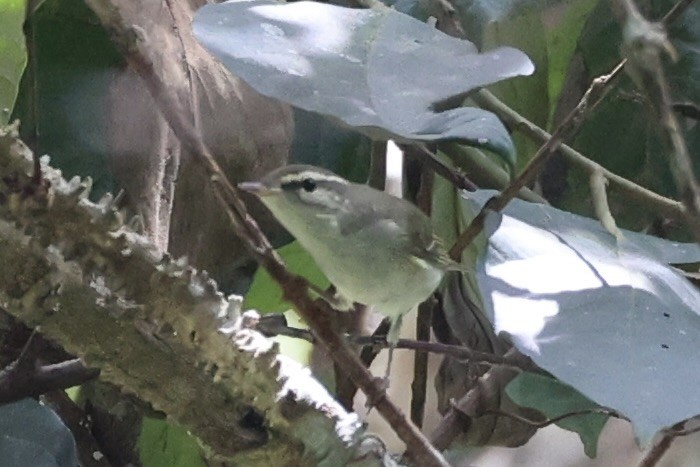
[
  {"x": 377, "y": 70},
  {"x": 611, "y": 318}
]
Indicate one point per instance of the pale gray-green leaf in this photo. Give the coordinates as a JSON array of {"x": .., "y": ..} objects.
[
  {"x": 378, "y": 71},
  {"x": 32, "y": 434},
  {"x": 607, "y": 316}
]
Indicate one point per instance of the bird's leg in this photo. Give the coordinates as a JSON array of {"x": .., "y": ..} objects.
[
  {"x": 388, "y": 366},
  {"x": 392, "y": 338}
]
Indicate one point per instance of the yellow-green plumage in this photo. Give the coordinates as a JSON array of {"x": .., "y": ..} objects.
[{"x": 376, "y": 249}]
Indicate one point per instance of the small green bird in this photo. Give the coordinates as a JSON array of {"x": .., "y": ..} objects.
[{"x": 375, "y": 248}]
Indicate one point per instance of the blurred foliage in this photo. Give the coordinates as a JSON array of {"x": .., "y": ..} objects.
[
  {"x": 164, "y": 444},
  {"x": 62, "y": 97},
  {"x": 13, "y": 54},
  {"x": 623, "y": 134},
  {"x": 265, "y": 296}
]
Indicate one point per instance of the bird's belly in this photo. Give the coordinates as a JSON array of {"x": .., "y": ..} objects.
[
  {"x": 393, "y": 285},
  {"x": 375, "y": 270}
]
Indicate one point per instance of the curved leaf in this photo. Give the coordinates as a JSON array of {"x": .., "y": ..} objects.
[
  {"x": 555, "y": 399},
  {"x": 610, "y": 318},
  {"x": 379, "y": 71},
  {"x": 32, "y": 434}
]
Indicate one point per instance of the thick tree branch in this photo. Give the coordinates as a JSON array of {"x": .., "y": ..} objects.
[{"x": 154, "y": 327}]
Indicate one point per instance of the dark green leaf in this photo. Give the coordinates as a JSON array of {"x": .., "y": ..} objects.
[
  {"x": 554, "y": 399},
  {"x": 13, "y": 54},
  {"x": 318, "y": 141},
  {"x": 63, "y": 102}
]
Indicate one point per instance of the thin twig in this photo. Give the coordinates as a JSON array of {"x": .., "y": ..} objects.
[
  {"x": 598, "y": 185},
  {"x": 654, "y": 455},
  {"x": 420, "y": 363},
  {"x": 483, "y": 171},
  {"x": 568, "y": 127},
  {"x": 676, "y": 11},
  {"x": 551, "y": 421},
  {"x": 378, "y": 342},
  {"x": 460, "y": 414},
  {"x": 24, "y": 378},
  {"x": 295, "y": 289},
  {"x": 633, "y": 191},
  {"x": 424, "y": 317},
  {"x": 455, "y": 177}
]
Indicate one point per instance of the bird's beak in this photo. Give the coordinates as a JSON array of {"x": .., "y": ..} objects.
[{"x": 256, "y": 188}]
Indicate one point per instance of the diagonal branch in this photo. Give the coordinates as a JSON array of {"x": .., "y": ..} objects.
[
  {"x": 631, "y": 190},
  {"x": 133, "y": 44},
  {"x": 26, "y": 378},
  {"x": 689, "y": 210},
  {"x": 568, "y": 127}
]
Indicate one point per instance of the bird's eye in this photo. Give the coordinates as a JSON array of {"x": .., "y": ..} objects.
[{"x": 308, "y": 185}]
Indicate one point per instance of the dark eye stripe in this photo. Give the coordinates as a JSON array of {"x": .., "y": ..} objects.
[{"x": 306, "y": 184}]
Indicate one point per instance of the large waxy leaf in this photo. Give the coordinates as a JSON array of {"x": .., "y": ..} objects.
[
  {"x": 607, "y": 316},
  {"x": 379, "y": 71},
  {"x": 32, "y": 434}
]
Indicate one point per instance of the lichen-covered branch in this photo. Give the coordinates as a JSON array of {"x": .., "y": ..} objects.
[
  {"x": 137, "y": 51},
  {"x": 154, "y": 327}
]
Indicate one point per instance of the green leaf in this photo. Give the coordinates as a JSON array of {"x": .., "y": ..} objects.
[
  {"x": 163, "y": 444},
  {"x": 561, "y": 42},
  {"x": 376, "y": 70},
  {"x": 609, "y": 317},
  {"x": 265, "y": 296},
  {"x": 554, "y": 399},
  {"x": 13, "y": 54}
]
